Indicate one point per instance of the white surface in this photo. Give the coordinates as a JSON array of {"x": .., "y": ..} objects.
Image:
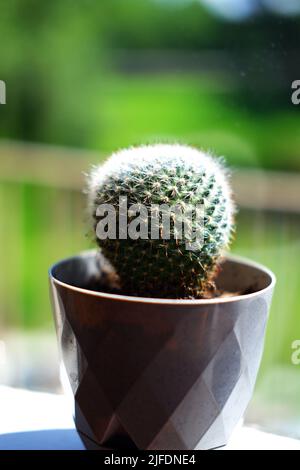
[
  {"x": 30, "y": 420},
  {"x": 21, "y": 410}
]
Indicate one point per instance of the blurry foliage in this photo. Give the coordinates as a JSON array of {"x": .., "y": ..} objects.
[
  {"x": 61, "y": 62},
  {"x": 44, "y": 224},
  {"x": 50, "y": 53}
]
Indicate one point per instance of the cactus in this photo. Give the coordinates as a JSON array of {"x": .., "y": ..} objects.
[{"x": 175, "y": 175}]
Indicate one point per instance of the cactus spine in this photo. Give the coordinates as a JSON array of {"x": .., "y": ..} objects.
[{"x": 173, "y": 175}]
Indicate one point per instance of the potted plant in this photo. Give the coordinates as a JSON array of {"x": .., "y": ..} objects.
[{"x": 161, "y": 333}]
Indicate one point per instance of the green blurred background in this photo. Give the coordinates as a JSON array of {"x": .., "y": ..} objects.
[{"x": 85, "y": 78}]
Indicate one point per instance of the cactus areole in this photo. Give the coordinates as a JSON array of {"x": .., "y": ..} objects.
[{"x": 162, "y": 216}]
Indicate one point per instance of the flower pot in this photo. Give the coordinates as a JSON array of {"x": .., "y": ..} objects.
[{"x": 160, "y": 374}]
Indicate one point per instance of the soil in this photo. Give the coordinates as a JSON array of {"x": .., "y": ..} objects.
[
  {"x": 100, "y": 286},
  {"x": 108, "y": 283}
]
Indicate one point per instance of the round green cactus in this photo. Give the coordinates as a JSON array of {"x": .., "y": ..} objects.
[{"x": 164, "y": 180}]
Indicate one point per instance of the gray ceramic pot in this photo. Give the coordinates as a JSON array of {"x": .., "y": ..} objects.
[{"x": 160, "y": 374}]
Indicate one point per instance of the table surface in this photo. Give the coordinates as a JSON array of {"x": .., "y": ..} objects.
[{"x": 41, "y": 421}]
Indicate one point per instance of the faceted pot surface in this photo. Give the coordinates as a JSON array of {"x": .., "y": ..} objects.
[{"x": 160, "y": 374}]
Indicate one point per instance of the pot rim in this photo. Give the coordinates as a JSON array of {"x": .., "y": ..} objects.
[{"x": 157, "y": 300}]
